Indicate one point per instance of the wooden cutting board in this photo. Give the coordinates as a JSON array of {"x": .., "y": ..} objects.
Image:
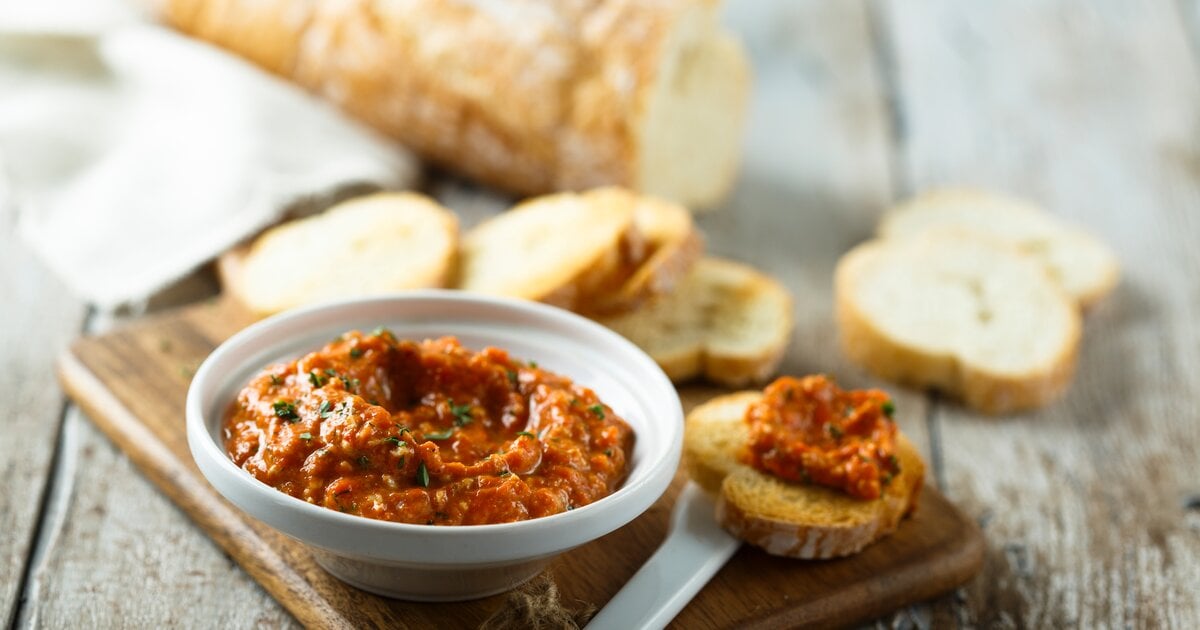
[{"x": 132, "y": 383}]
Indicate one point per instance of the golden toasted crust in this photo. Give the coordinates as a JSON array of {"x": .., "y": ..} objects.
[
  {"x": 525, "y": 95},
  {"x": 783, "y": 518},
  {"x": 952, "y": 369}
]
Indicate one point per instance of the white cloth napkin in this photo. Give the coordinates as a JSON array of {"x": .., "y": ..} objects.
[{"x": 135, "y": 154}]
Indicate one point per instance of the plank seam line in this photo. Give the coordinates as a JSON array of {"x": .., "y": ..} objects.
[{"x": 39, "y": 541}]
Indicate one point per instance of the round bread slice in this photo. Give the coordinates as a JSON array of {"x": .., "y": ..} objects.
[
  {"x": 785, "y": 518},
  {"x": 1085, "y": 266},
  {"x": 957, "y": 312},
  {"x": 725, "y": 321},
  {"x": 559, "y": 249},
  {"x": 673, "y": 245},
  {"x": 368, "y": 245},
  {"x": 814, "y": 522}
]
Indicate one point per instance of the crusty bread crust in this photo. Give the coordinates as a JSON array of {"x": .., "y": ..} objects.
[
  {"x": 784, "y": 518},
  {"x": 529, "y": 96},
  {"x": 891, "y": 358}
]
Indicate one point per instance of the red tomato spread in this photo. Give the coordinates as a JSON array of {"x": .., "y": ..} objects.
[
  {"x": 426, "y": 432},
  {"x": 810, "y": 431}
]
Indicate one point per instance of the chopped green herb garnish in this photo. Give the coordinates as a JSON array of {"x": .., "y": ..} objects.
[
  {"x": 275, "y": 380},
  {"x": 305, "y": 436},
  {"x": 504, "y": 473},
  {"x": 533, "y": 364},
  {"x": 364, "y": 461},
  {"x": 356, "y": 352},
  {"x": 462, "y": 413},
  {"x": 402, "y": 430},
  {"x": 894, "y": 461},
  {"x": 382, "y": 331},
  {"x": 527, "y": 434},
  {"x": 835, "y": 431},
  {"x": 331, "y": 372},
  {"x": 439, "y": 436},
  {"x": 887, "y": 479},
  {"x": 889, "y": 408},
  {"x": 598, "y": 410},
  {"x": 326, "y": 407},
  {"x": 316, "y": 379},
  {"x": 394, "y": 440},
  {"x": 350, "y": 383},
  {"x": 422, "y": 475},
  {"x": 512, "y": 378},
  {"x": 285, "y": 410},
  {"x": 400, "y": 464},
  {"x": 608, "y": 452}
]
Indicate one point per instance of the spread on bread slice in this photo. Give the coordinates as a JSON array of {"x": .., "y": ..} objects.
[
  {"x": 367, "y": 245},
  {"x": 724, "y": 321},
  {"x": 804, "y": 469},
  {"x": 1085, "y": 267},
  {"x": 959, "y": 312}
]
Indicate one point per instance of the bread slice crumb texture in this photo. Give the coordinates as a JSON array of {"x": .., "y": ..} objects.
[
  {"x": 725, "y": 321},
  {"x": 556, "y": 248},
  {"x": 368, "y": 245},
  {"x": 959, "y": 312},
  {"x": 1082, "y": 264}
]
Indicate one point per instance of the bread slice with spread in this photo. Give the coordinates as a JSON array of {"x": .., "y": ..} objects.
[
  {"x": 367, "y": 245},
  {"x": 725, "y": 321},
  {"x": 952, "y": 310},
  {"x": 1082, "y": 264},
  {"x": 798, "y": 519}
]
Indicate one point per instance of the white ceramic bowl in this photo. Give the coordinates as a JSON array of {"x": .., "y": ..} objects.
[{"x": 444, "y": 563}]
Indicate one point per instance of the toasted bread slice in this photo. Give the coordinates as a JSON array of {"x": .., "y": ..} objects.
[
  {"x": 1085, "y": 267},
  {"x": 560, "y": 249},
  {"x": 725, "y": 321},
  {"x": 367, "y": 245},
  {"x": 961, "y": 313},
  {"x": 781, "y": 517},
  {"x": 672, "y": 244}
]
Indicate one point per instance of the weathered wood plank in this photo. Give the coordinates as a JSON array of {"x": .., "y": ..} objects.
[
  {"x": 106, "y": 524},
  {"x": 1091, "y": 109},
  {"x": 37, "y": 319}
]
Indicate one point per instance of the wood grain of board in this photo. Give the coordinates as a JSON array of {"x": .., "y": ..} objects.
[
  {"x": 1091, "y": 504},
  {"x": 134, "y": 392}
]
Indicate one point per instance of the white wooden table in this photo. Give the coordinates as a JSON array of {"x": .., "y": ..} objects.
[{"x": 1091, "y": 507}]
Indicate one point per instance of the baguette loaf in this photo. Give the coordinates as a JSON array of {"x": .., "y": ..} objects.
[
  {"x": 725, "y": 321},
  {"x": 529, "y": 96},
  {"x": 367, "y": 245},
  {"x": 784, "y": 518},
  {"x": 961, "y": 313},
  {"x": 1084, "y": 266}
]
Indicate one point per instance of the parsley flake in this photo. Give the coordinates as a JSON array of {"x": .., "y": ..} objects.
[
  {"x": 889, "y": 408},
  {"x": 356, "y": 352},
  {"x": 527, "y": 434},
  {"x": 440, "y": 435},
  {"x": 598, "y": 410},
  {"x": 533, "y": 364},
  {"x": 316, "y": 379},
  {"x": 462, "y": 413},
  {"x": 364, "y": 461},
  {"x": 275, "y": 380},
  {"x": 422, "y": 475},
  {"x": 512, "y": 378},
  {"x": 326, "y": 407},
  {"x": 305, "y": 436},
  {"x": 285, "y": 410},
  {"x": 394, "y": 440},
  {"x": 835, "y": 431}
]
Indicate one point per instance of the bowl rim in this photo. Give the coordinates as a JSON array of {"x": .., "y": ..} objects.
[{"x": 323, "y": 527}]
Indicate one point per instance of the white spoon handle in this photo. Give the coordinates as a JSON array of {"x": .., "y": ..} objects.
[{"x": 694, "y": 550}]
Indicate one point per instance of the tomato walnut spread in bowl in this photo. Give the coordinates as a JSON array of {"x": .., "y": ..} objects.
[
  {"x": 450, "y": 454},
  {"x": 426, "y": 432}
]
